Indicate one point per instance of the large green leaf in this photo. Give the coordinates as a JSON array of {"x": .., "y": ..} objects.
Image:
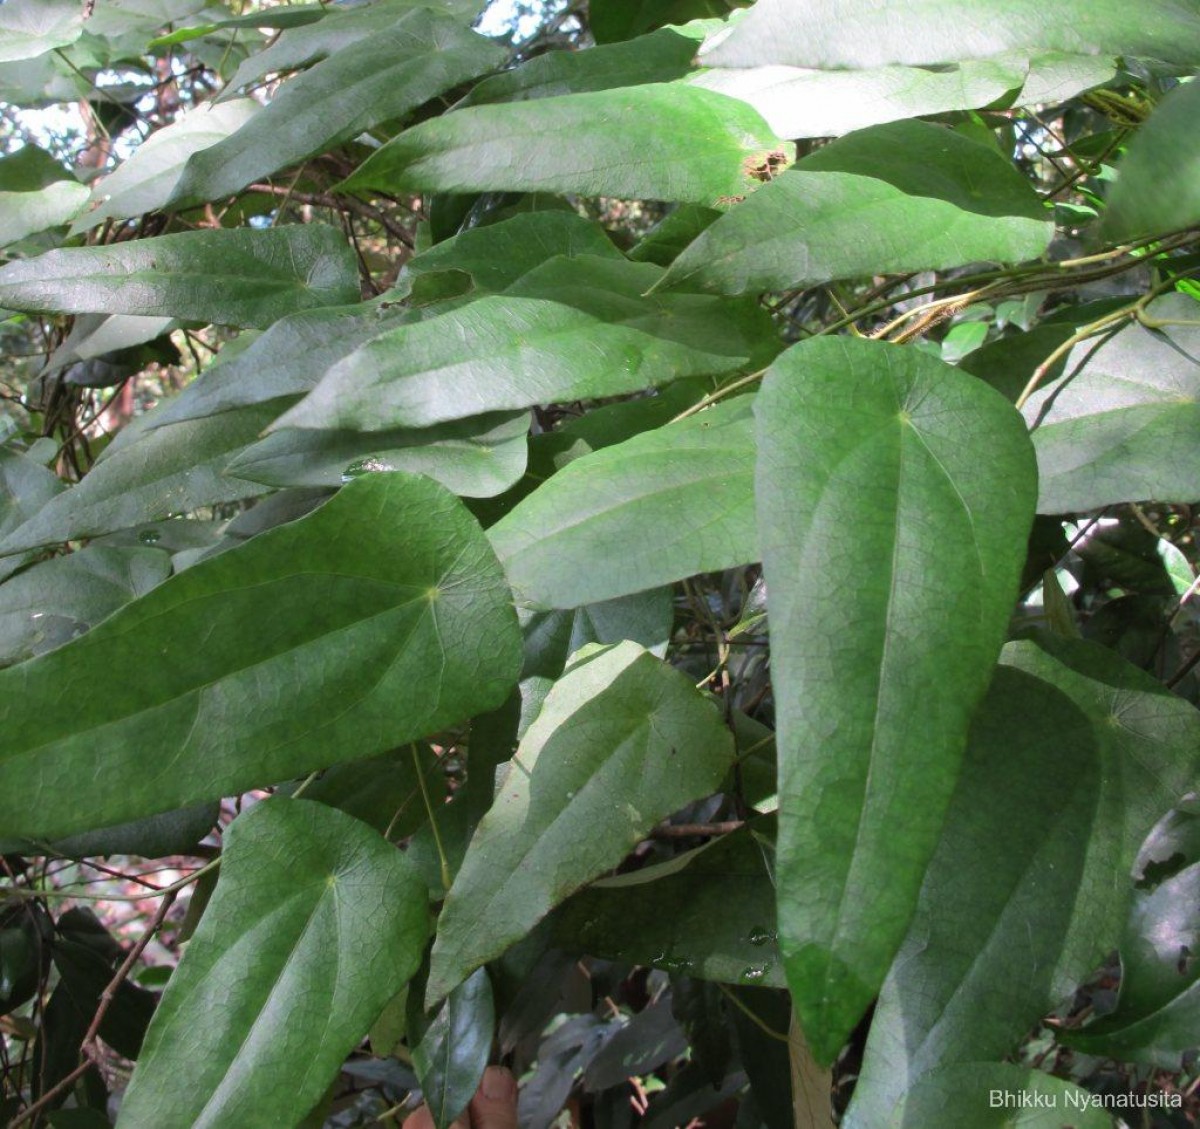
[
  {"x": 52, "y": 602},
  {"x": 316, "y": 923},
  {"x": 836, "y": 34},
  {"x": 570, "y": 330},
  {"x": 897, "y": 197},
  {"x": 376, "y": 79},
  {"x": 475, "y": 458},
  {"x": 1122, "y": 423},
  {"x": 146, "y": 181},
  {"x": 708, "y": 913},
  {"x": 662, "y": 56},
  {"x": 678, "y": 500},
  {"x": 800, "y": 102},
  {"x": 706, "y": 147},
  {"x": 1071, "y": 758},
  {"x": 895, "y": 495},
  {"x": 146, "y": 475},
  {"x": 381, "y": 617},
  {"x": 234, "y": 277},
  {"x": 1158, "y": 182},
  {"x": 29, "y": 28},
  {"x": 621, "y": 742}
]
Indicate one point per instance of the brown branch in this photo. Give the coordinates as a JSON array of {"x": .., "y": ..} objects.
[
  {"x": 339, "y": 203},
  {"x": 88, "y": 1046},
  {"x": 693, "y": 830}
]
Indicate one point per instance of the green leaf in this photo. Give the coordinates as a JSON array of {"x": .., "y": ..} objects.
[
  {"x": 301, "y": 45},
  {"x": 893, "y": 198},
  {"x": 376, "y": 79},
  {"x": 664, "y": 242},
  {"x": 286, "y": 361},
  {"x": 800, "y": 102},
  {"x": 1149, "y": 741},
  {"x": 1055, "y": 76},
  {"x": 27, "y": 213},
  {"x": 475, "y": 458},
  {"x": 171, "y": 833},
  {"x": 593, "y": 339},
  {"x": 453, "y": 1052},
  {"x": 29, "y": 28},
  {"x": 49, "y": 604},
  {"x": 146, "y": 475},
  {"x": 25, "y": 487},
  {"x": 384, "y": 791},
  {"x": 1023, "y": 1098},
  {"x": 29, "y": 169},
  {"x": 613, "y": 20},
  {"x": 146, "y": 181},
  {"x": 1002, "y": 927},
  {"x": 851, "y": 34},
  {"x": 1121, "y": 423},
  {"x": 497, "y": 255},
  {"x": 707, "y": 156},
  {"x": 1027, "y": 890},
  {"x": 679, "y": 500},
  {"x": 234, "y": 277},
  {"x": 380, "y": 617},
  {"x": 662, "y": 56},
  {"x": 1158, "y": 1015},
  {"x": 552, "y": 637},
  {"x": 1158, "y": 182},
  {"x": 895, "y": 495},
  {"x": 315, "y": 924},
  {"x": 622, "y": 741},
  {"x": 708, "y": 913},
  {"x": 93, "y": 336}
]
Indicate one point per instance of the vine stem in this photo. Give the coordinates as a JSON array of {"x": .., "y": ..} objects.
[
  {"x": 433, "y": 825},
  {"x": 720, "y": 394},
  {"x": 88, "y": 1046}
]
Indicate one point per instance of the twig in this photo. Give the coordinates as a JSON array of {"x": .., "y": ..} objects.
[{"x": 693, "y": 830}]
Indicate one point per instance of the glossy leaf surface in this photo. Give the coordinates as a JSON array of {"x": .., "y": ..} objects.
[{"x": 454, "y": 1049}]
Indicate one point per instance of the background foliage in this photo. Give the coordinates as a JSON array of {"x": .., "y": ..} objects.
[{"x": 649, "y": 542}]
